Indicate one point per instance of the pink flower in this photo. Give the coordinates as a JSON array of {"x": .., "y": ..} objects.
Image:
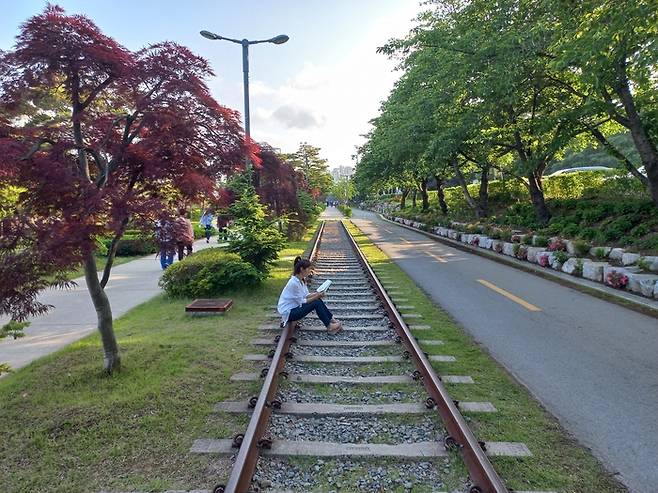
[
  {"x": 543, "y": 260},
  {"x": 556, "y": 245},
  {"x": 616, "y": 279}
]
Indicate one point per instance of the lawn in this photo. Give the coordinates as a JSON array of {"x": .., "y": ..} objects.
[
  {"x": 67, "y": 428},
  {"x": 558, "y": 462}
]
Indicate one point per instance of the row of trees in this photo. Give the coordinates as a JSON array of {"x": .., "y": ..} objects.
[
  {"x": 510, "y": 86},
  {"x": 95, "y": 139}
]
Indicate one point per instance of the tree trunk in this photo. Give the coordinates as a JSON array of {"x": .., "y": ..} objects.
[
  {"x": 537, "y": 197},
  {"x": 403, "y": 200},
  {"x": 483, "y": 193},
  {"x": 464, "y": 186},
  {"x": 423, "y": 195},
  {"x": 645, "y": 147},
  {"x": 413, "y": 198},
  {"x": 440, "y": 195},
  {"x": 111, "y": 360}
]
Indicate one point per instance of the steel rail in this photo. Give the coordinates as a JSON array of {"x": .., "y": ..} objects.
[
  {"x": 245, "y": 462},
  {"x": 483, "y": 477}
]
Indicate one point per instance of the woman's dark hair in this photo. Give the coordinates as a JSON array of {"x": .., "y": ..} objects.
[{"x": 299, "y": 264}]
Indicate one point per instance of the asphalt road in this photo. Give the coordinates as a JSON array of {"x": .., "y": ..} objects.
[{"x": 592, "y": 364}]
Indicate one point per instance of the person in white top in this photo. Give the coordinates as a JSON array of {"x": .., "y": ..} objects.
[{"x": 296, "y": 302}]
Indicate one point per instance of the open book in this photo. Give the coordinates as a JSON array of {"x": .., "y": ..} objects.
[{"x": 324, "y": 286}]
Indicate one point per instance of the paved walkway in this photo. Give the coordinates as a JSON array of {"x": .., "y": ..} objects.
[
  {"x": 74, "y": 316},
  {"x": 331, "y": 213},
  {"x": 591, "y": 363}
]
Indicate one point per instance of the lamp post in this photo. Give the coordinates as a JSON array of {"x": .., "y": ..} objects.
[{"x": 277, "y": 40}]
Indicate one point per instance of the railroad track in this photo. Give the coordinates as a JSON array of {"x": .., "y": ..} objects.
[{"x": 360, "y": 411}]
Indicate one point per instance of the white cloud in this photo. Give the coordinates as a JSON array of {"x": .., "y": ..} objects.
[{"x": 330, "y": 105}]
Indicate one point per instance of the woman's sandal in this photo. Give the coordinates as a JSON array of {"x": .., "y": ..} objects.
[{"x": 334, "y": 328}]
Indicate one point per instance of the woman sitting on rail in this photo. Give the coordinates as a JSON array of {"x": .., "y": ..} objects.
[{"x": 296, "y": 302}]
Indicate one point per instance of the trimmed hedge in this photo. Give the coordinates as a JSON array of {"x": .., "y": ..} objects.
[
  {"x": 346, "y": 210},
  {"x": 208, "y": 273}
]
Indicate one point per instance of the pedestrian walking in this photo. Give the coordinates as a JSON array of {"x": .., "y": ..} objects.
[
  {"x": 223, "y": 221},
  {"x": 206, "y": 221},
  {"x": 184, "y": 234},
  {"x": 164, "y": 236},
  {"x": 296, "y": 302}
]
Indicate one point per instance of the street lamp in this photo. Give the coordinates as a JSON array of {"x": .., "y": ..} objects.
[{"x": 277, "y": 40}]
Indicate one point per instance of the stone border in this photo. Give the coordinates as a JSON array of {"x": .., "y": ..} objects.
[{"x": 628, "y": 299}]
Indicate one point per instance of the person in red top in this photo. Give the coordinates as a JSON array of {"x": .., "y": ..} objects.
[{"x": 184, "y": 234}]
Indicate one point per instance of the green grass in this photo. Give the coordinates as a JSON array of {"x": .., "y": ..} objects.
[
  {"x": 558, "y": 462},
  {"x": 67, "y": 428}
]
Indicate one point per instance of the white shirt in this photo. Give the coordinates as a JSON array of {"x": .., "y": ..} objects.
[{"x": 292, "y": 296}]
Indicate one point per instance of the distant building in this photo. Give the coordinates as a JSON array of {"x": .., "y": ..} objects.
[{"x": 342, "y": 172}]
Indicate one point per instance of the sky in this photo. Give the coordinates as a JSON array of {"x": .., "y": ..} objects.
[{"x": 321, "y": 87}]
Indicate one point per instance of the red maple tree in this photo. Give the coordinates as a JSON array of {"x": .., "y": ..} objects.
[{"x": 141, "y": 132}]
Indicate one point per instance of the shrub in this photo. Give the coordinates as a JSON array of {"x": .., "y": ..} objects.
[
  {"x": 599, "y": 253},
  {"x": 136, "y": 246},
  {"x": 498, "y": 247},
  {"x": 644, "y": 264},
  {"x": 520, "y": 251},
  {"x": 495, "y": 234},
  {"x": 649, "y": 243},
  {"x": 475, "y": 241},
  {"x": 527, "y": 239},
  {"x": 560, "y": 256},
  {"x": 571, "y": 230},
  {"x": 5, "y": 368},
  {"x": 541, "y": 241},
  {"x": 208, "y": 273},
  {"x": 581, "y": 248},
  {"x": 506, "y": 235},
  {"x": 616, "y": 279},
  {"x": 578, "y": 271},
  {"x": 544, "y": 260},
  {"x": 346, "y": 210},
  {"x": 253, "y": 238}
]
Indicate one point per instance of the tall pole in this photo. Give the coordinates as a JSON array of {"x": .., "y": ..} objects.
[{"x": 245, "y": 74}]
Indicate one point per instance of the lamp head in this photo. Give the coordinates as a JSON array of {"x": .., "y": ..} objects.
[
  {"x": 209, "y": 35},
  {"x": 279, "y": 40}
]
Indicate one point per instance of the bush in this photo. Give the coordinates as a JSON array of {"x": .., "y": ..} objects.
[
  {"x": 346, "y": 210},
  {"x": 581, "y": 247},
  {"x": 136, "y": 246},
  {"x": 253, "y": 238},
  {"x": 541, "y": 241},
  {"x": 560, "y": 256},
  {"x": 208, "y": 273}
]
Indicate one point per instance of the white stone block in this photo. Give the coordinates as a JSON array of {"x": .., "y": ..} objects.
[
  {"x": 655, "y": 291},
  {"x": 508, "y": 249},
  {"x": 594, "y": 270},
  {"x": 571, "y": 250},
  {"x": 629, "y": 258},
  {"x": 616, "y": 254},
  {"x": 571, "y": 265},
  {"x": 533, "y": 252},
  {"x": 641, "y": 283}
]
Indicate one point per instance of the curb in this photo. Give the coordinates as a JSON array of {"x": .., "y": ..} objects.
[{"x": 626, "y": 300}]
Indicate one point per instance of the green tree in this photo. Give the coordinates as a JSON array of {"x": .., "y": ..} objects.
[
  {"x": 343, "y": 189},
  {"x": 315, "y": 169},
  {"x": 608, "y": 50},
  {"x": 256, "y": 240}
]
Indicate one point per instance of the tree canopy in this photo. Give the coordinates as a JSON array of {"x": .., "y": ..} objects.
[{"x": 134, "y": 133}]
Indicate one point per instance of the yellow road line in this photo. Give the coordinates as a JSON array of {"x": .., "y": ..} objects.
[{"x": 510, "y": 296}]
